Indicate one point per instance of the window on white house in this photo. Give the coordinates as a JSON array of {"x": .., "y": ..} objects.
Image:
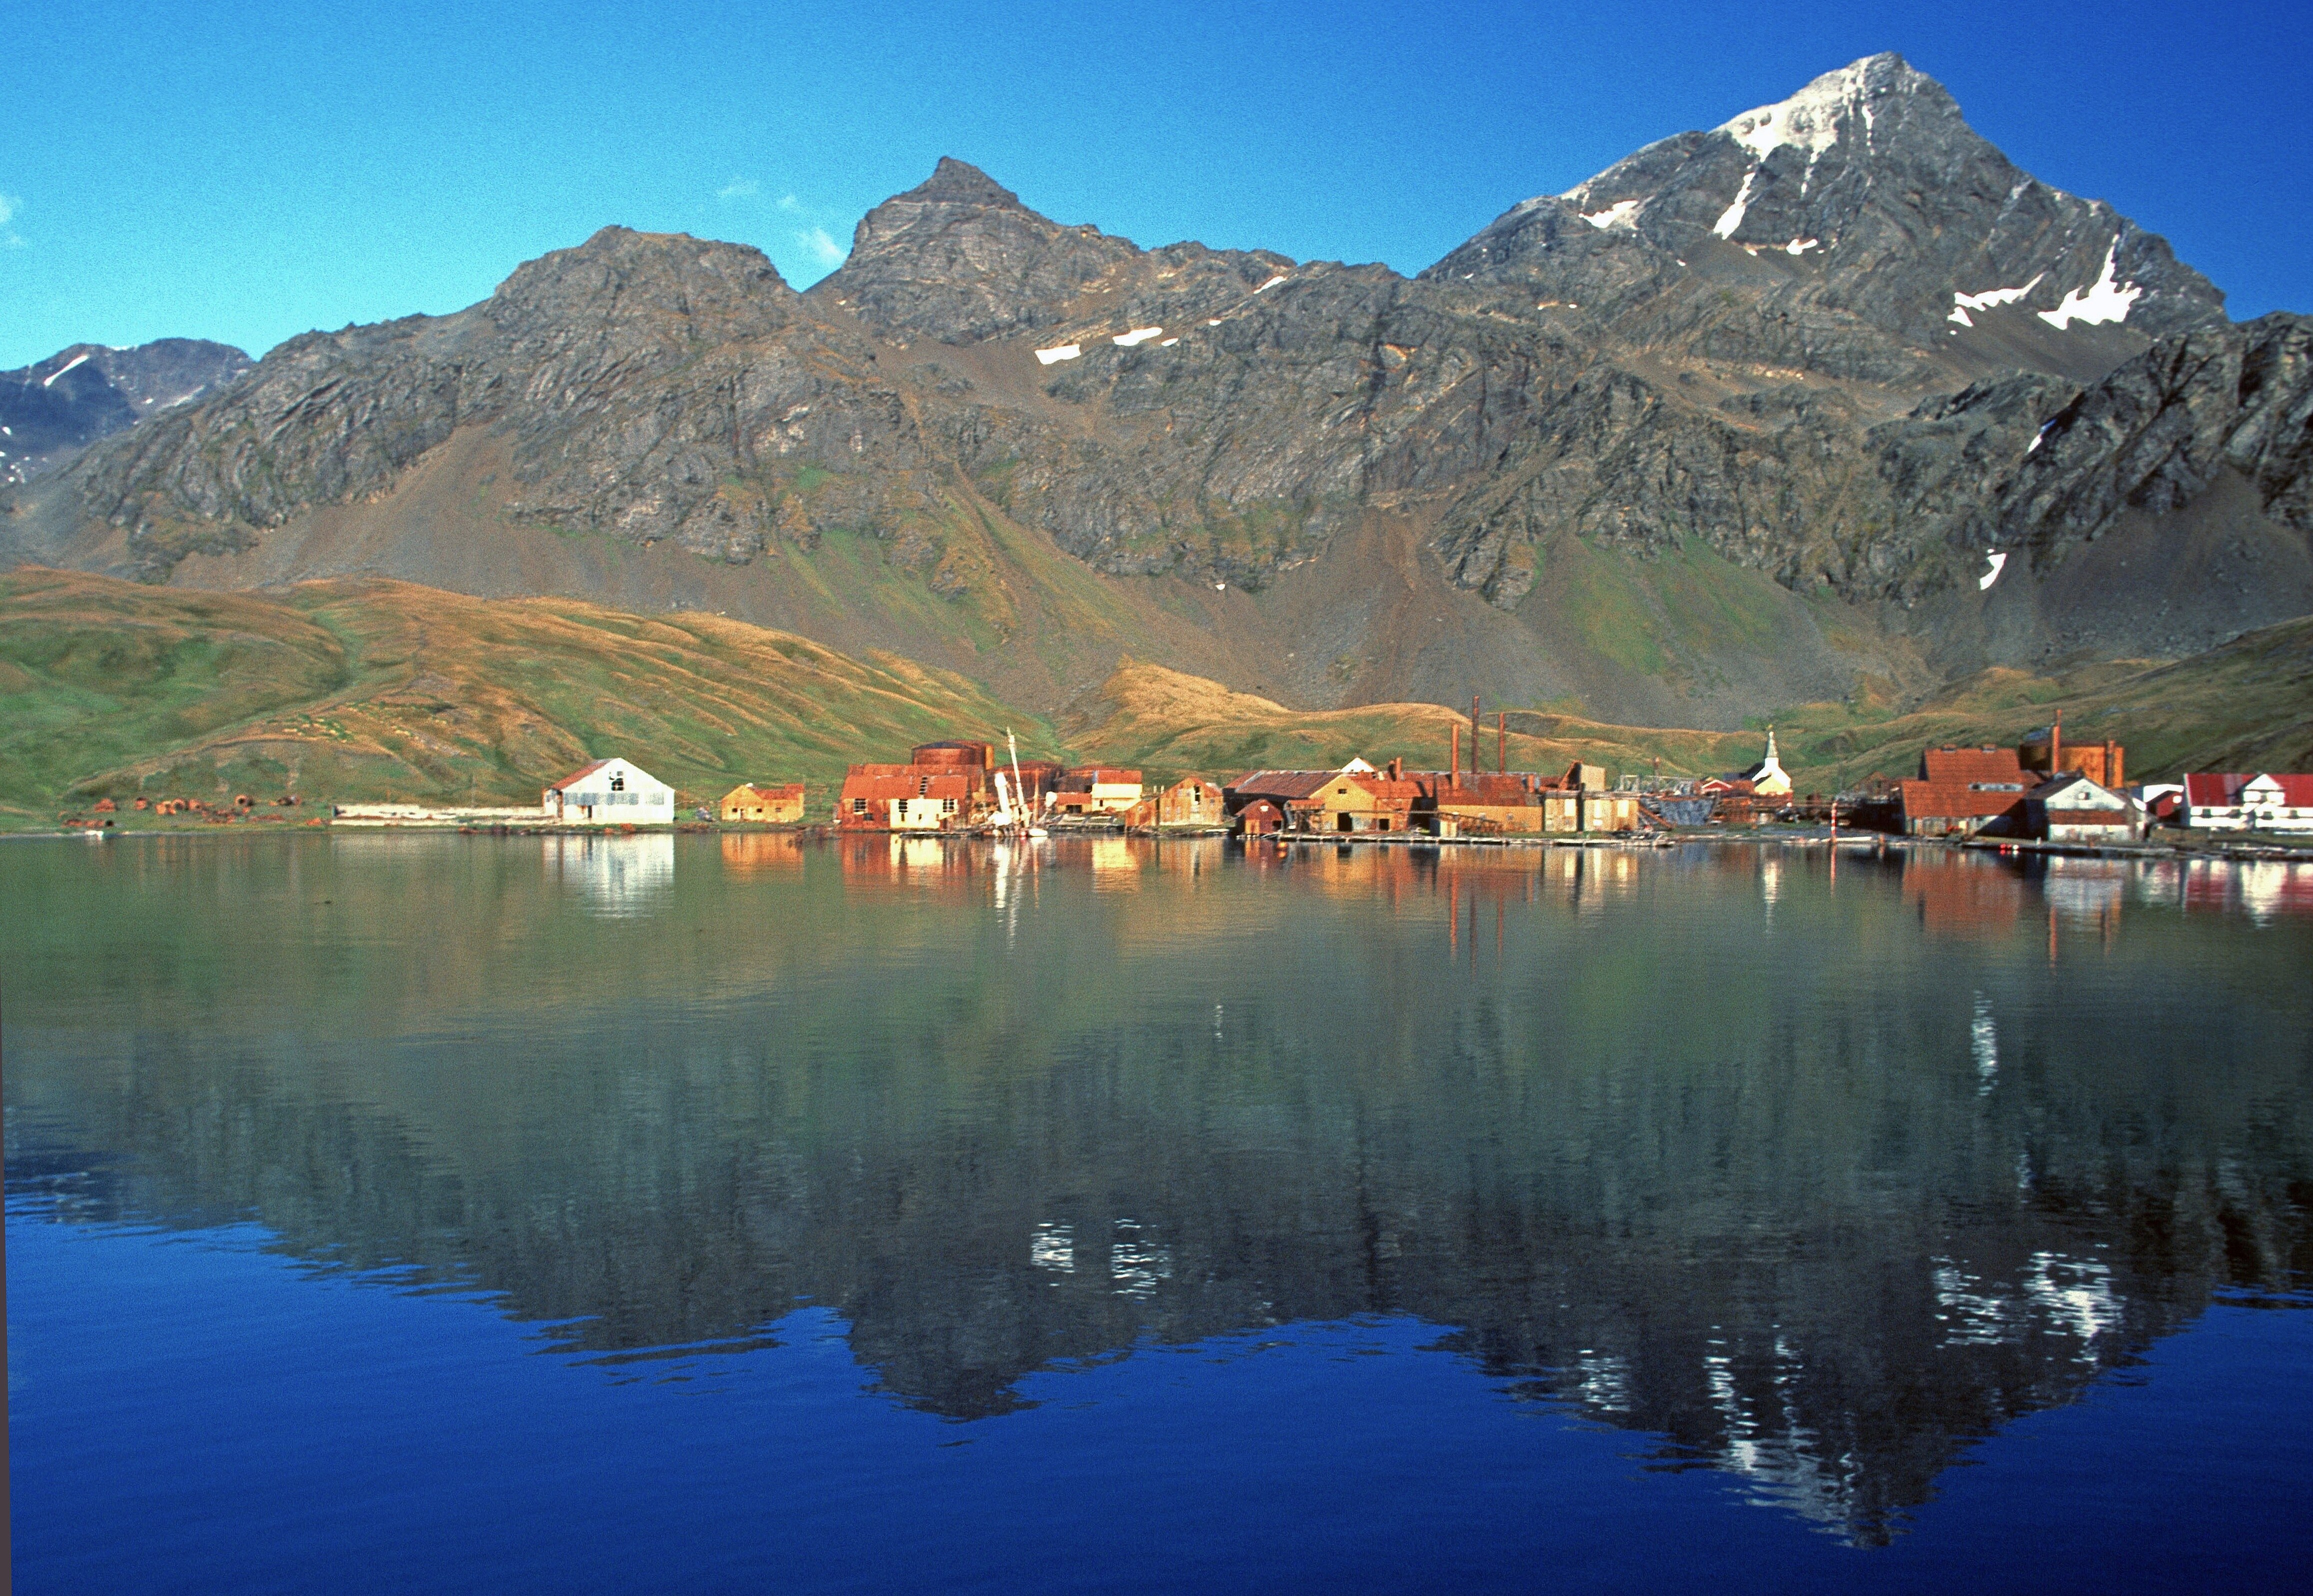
[{"x": 618, "y": 784}]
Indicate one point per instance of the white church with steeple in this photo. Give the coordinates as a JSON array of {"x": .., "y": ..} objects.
[{"x": 1766, "y": 777}]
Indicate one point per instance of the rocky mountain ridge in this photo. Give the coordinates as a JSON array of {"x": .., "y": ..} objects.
[
  {"x": 52, "y": 408},
  {"x": 1741, "y": 418}
]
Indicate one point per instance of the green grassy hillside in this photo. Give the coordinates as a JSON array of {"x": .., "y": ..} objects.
[
  {"x": 2247, "y": 706},
  {"x": 366, "y": 690},
  {"x": 1171, "y": 725},
  {"x": 370, "y": 691}
]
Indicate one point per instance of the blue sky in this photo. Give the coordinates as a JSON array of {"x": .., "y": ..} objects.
[{"x": 247, "y": 172}]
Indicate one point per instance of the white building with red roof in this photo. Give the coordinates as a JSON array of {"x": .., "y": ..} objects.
[
  {"x": 2232, "y": 802},
  {"x": 611, "y": 792}
]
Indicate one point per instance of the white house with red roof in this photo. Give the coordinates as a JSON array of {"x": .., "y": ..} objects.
[
  {"x": 611, "y": 792},
  {"x": 2233, "y": 802}
]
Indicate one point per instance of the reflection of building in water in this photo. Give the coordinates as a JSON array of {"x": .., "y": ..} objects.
[
  {"x": 2263, "y": 888},
  {"x": 924, "y": 858},
  {"x": 750, "y": 853},
  {"x": 621, "y": 875},
  {"x": 1116, "y": 864},
  {"x": 2088, "y": 889},
  {"x": 1962, "y": 895},
  {"x": 1191, "y": 856},
  {"x": 2269, "y": 887}
]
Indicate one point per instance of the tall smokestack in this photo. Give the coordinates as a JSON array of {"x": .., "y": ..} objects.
[
  {"x": 2056, "y": 745},
  {"x": 1477, "y": 726},
  {"x": 1503, "y": 741},
  {"x": 1454, "y": 757}
]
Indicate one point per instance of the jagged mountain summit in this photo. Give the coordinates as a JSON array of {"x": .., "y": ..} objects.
[
  {"x": 51, "y": 410},
  {"x": 1868, "y": 193},
  {"x": 959, "y": 259},
  {"x": 1738, "y": 423}
]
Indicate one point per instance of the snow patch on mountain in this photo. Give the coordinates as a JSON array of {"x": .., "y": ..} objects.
[
  {"x": 1624, "y": 214},
  {"x": 1732, "y": 216},
  {"x": 1963, "y": 302},
  {"x": 50, "y": 380},
  {"x": 1058, "y": 352},
  {"x": 2107, "y": 299},
  {"x": 1810, "y": 119},
  {"x": 1139, "y": 335}
]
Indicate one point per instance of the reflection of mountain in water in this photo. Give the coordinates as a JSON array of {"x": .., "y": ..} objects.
[{"x": 1818, "y": 1200}]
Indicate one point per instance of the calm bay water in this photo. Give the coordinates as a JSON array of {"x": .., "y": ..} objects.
[{"x": 696, "y": 1212}]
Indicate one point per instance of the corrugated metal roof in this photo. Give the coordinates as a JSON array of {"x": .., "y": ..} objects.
[
  {"x": 2215, "y": 789},
  {"x": 1970, "y": 765},
  {"x": 915, "y": 781},
  {"x": 1283, "y": 785},
  {"x": 1954, "y": 800},
  {"x": 582, "y": 772},
  {"x": 2055, "y": 786}
]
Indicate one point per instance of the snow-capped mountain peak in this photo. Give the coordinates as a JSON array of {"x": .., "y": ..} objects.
[
  {"x": 1811, "y": 119},
  {"x": 1867, "y": 193}
]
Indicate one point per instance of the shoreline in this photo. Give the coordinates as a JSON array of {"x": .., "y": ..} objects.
[{"x": 2258, "y": 850}]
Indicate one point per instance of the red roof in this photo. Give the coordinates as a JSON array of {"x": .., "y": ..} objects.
[
  {"x": 1479, "y": 796},
  {"x": 1281, "y": 786},
  {"x": 878, "y": 783},
  {"x": 1954, "y": 800},
  {"x": 1963, "y": 765},
  {"x": 580, "y": 774},
  {"x": 2215, "y": 790}
]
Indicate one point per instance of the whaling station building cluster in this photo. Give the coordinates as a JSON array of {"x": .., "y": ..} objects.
[
  {"x": 2044, "y": 789},
  {"x": 965, "y": 786}
]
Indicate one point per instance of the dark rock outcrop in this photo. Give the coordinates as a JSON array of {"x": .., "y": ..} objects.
[{"x": 52, "y": 410}]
